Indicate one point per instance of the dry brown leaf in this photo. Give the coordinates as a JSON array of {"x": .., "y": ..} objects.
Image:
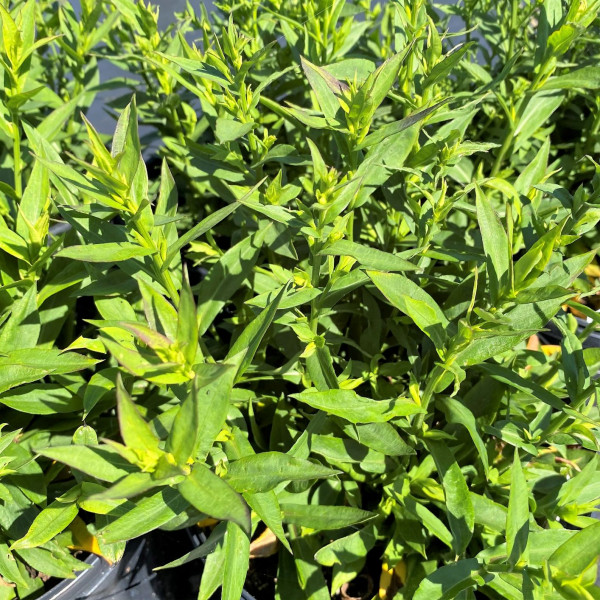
[
  {"x": 266, "y": 544},
  {"x": 533, "y": 343}
]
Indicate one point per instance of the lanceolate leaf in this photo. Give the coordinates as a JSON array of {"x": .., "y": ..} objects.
[
  {"x": 243, "y": 350},
  {"x": 370, "y": 258},
  {"x": 135, "y": 431},
  {"x": 265, "y": 471},
  {"x": 100, "y": 462},
  {"x": 495, "y": 244},
  {"x": 237, "y": 554},
  {"x": 210, "y": 494},
  {"x": 106, "y": 252},
  {"x": 50, "y": 522},
  {"x": 352, "y": 407},
  {"x": 447, "y": 582},
  {"x": 578, "y": 553},
  {"x": 459, "y": 508},
  {"x": 517, "y": 519},
  {"x": 324, "y": 517},
  {"x": 148, "y": 513},
  {"x": 415, "y": 302}
]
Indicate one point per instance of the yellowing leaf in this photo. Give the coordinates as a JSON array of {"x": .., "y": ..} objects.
[{"x": 82, "y": 539}]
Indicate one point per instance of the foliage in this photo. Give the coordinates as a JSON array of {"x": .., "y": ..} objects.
[{"x": 315, "y": 308}]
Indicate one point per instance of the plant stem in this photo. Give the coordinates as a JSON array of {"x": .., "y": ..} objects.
[
  {"x": 514, "y": 15},
  {"x": 508, "y": 138},
  {"x": 315, "y": 276},
  {"x": 432, "y": 383},
  {"x": 163, "y": 277},
  {"x": 17, "y": 154}
]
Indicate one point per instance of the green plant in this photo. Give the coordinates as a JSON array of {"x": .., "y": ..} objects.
[{"x": 320, "y": 315}]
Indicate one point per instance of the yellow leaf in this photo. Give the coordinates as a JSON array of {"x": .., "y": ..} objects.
[
  {"x": 593, "y": 271},
  {"x": 400, "y": 571},
  {"x": 385, "y": 580},
  {"x": 209, "y": 522},
  {"x": 549, "y": 350},
  {"x": 82, "y": 539}
]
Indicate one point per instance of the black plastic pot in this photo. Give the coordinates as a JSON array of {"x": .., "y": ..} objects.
[
  {"x": 132, "y": 577},
  {"x": 554, "y": 336}
]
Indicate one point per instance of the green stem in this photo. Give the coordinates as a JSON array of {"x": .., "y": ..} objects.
[
  {"x": 163, "y": 277},
  {"x": 177, "y": 126},
  {"x": 514, "y": 16},
  {"x": 17, "y": 154},
  {"x": 434, "y": 380},
  {"x": 315, "y": 276},
  {"x": 508, "y": 139}
]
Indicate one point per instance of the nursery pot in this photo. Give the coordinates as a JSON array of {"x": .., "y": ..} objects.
[
  {"x": 101, "y": 580},
  {"x": 132, "y": 578},
  {"x": 554, "y": 336}
]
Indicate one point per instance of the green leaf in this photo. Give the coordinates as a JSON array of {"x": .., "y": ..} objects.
[
  {"x": 513, "y": 379},
  {"x": 146, "y": 515},
  {"x": 266, "y": 506},
  {"x": 325, "y": 88},
  {"x": 576, "y": 373},
  {"x": 380, "y": 82},
  {"x": 385, "y": 131},
  {"x": 47, "y": 400},
  {"x": 195, "y": 232},
  {"x": 370, "y": 258},
  {"x": 56, "y": 562},
  {"x": 447, "y": 582},
  {"x": 535, "y": 171},
  {"x": 456, "y": 412},
  {"x": 433, "y": 525},
  {"x": 258, "y": 473},
  {"x": 459, "y": 508},
  {"x": 585, "y": 78},
  {"x": 244, "y": 348},
  {"x": 532, "y": 264},
  {"x": 48, "y": 524},
  {"x": 136, "y": 433},
  {"x": 415, "y": 302},
  {"x": 229, "y": 130},
  {"x": 536, "y": 111},
  {"x": 323, "y": 517},
  {"x": 213, "y": 496},
  {"x": 349, "y": 451},
  {"x": 573, "y": 489},
  {"x": 213, "y": 405},
  {"x": 183, "y": 437},
  {"x": 187, "y": 327},
  {"x": 382, "y": 437},
  {"x": 223, "y": 280},
  {"x": 495, "y": 245},
  {"x": 105, "y": 252},
  {"x": 517, "y": 518},
  {"x": 100, "y": 462},
  {"x": 22, "y": 328},
  {"x": 578, "y": 553},
  {"x": 356, "y": 409},
  {"x": 346, "y": 549},
  {"x": 237, "y": 555},
  {"x": 126, "y": 143},
  {"x": 447, "y": 64},
  {"x": 209, "y": 546}
]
